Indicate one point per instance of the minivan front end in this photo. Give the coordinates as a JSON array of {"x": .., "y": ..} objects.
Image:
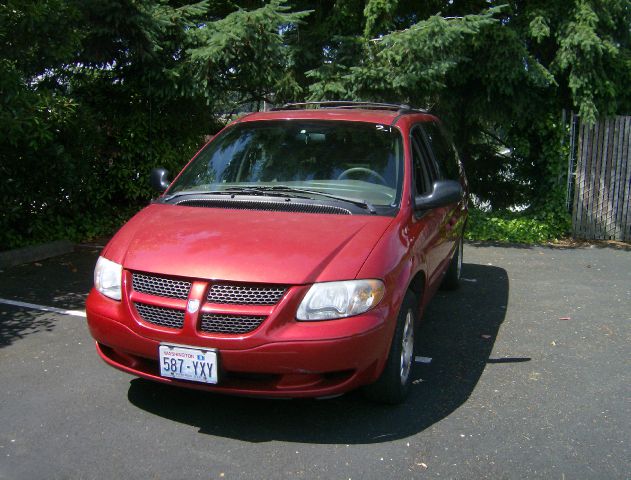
[{"x": 260, "y": 347}]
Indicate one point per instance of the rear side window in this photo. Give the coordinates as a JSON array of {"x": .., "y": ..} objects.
[
  {"x": 424, "y": 168},
  {"x": 444, "y": 151}
]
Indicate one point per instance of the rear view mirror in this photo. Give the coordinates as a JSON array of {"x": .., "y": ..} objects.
[
  {"x": 159, "y": 179},
  {"x": 445, "y": 192}
]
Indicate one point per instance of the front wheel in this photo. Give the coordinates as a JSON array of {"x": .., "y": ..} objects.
[{"x": 394, "y": 383}]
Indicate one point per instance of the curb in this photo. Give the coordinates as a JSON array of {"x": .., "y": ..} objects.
[{"x": 12, "y": 258}]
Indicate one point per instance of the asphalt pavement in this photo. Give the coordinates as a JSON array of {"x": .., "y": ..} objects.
[{"x": 529, "y": 377}]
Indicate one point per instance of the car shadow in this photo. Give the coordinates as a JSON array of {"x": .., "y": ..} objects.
[{"x": 457, "y": 334}]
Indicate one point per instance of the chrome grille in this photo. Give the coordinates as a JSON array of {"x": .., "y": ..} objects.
[
  {"x": 160, "y": 286},
  {"x": 245, "y": 295},
  {"x": 219, "y": 323},
  {"x": 165, "y": 317}
]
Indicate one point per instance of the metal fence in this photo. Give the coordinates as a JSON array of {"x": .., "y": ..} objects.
[{"x": 601, "y": 207}]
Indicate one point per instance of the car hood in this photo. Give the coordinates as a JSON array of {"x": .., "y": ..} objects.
[{"x": 246, "y": 245}]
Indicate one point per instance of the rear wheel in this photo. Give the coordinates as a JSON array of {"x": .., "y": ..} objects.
[
  {"x": 394, "y": 383},
  {"x": 452, "y": 277}
]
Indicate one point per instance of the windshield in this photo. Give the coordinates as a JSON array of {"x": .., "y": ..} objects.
[{"x": 358, "y": 161}]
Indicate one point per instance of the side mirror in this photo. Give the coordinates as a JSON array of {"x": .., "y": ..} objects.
[
  {"x": 159, "y": 179},
  {"x": 445, "y": 192}
]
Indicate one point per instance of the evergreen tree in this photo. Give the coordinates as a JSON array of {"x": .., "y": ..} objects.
[{"x": 95, "y": 93}]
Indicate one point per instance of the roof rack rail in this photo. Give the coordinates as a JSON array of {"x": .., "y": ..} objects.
[{"x": 401, "y": 109}]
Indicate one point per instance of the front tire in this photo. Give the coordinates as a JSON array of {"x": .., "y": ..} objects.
[
  {"x": 452, "y": 277},
  {"x": 393, "y": 385}
]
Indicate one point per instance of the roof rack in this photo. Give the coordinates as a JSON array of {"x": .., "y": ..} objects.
[{"x": 401, "y": 109}]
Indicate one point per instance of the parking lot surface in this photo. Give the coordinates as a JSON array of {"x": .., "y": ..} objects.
[{"x": 526, "y": 375}]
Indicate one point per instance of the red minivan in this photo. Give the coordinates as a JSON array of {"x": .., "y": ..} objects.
[{"x": 292, "y": 257}]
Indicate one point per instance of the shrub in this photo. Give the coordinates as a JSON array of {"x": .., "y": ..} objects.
[{"x": 518, "y": 227}]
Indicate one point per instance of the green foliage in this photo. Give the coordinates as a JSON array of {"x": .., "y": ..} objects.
[
  {"x": 385, "y": 71},
  {"x": 95, "y": 94},
  {"x": 588, "y": 55},
  {"x": 243, "y": 55},
  {"x": 539, "y": 28},
  {"x": 513, "y": 227},
  {"x": 379, "y": 16}
]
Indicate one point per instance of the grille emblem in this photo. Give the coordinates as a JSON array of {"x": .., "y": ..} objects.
[{"x": 193, "y": 306}]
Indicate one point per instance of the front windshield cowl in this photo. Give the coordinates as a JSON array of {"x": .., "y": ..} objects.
[
  {"x": 274, "y": 201},
  {"x": 332, "y": 161}
]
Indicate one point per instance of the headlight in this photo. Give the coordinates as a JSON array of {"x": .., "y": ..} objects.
[
  {"x": 107, "y": 278},
  {"x": 330, "y": 300}
]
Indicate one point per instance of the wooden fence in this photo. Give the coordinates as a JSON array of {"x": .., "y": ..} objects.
[{"x": 602, "y": 192}]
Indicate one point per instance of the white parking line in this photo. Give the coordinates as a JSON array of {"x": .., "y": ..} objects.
[
  {"x": 74, "y": 313},
  {"x": 423, "y": 359}
]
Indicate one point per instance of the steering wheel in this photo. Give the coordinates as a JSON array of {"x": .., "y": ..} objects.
[{"x": 370, "y": 173}]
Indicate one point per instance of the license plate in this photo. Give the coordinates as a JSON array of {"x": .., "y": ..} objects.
[{"x": 185, "y": 363}]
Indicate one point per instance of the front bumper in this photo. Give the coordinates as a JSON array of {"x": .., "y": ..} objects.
[{"x": 282, "y": 358}]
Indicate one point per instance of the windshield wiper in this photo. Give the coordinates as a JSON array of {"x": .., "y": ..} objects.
[
  {"x": 284, "y": 188},
  {"x": 194, "y": 192},
  {"x": 232, "y": 191},
  {"x": 274, "y": 190}
]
